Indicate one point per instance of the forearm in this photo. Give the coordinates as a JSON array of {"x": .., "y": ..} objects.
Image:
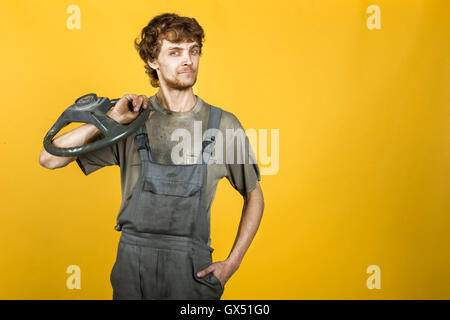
[
  {"x": 249, "y": 224},
  {"x": 74, "y": 138}
]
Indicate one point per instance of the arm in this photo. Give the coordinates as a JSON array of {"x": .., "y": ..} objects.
[
  {"x": 250, "y": 220},
  {"x": 74, "y": 138},
  {"x": 122, "y": 113}
]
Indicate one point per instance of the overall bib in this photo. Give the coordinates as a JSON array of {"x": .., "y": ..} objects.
[{"x": 165, "y": 229}]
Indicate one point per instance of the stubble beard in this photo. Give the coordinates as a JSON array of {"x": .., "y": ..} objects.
[{"x": 179, "y": 84}]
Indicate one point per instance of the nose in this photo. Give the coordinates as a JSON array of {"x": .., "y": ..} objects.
[{"x": 187, "y": 59}]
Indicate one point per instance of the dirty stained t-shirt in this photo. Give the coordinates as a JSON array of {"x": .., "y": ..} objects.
[{"x": 236, "y": 162}]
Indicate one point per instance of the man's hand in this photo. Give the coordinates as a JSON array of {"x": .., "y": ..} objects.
[
  {"x": 223, "y": 270},
  {"x": 127, "y": 108}
]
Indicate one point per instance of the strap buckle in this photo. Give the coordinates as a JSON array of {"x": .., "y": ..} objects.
[
  {"x": 142, "y": 141},
  {"x": 207, "y": 142}
]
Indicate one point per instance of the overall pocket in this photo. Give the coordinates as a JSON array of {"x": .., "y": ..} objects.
[
  {"x": 167, "y": 206},
  {"x": 208, "y": 284}
]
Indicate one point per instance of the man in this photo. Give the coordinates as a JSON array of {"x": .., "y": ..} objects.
[{"x": 164, "y": 251}]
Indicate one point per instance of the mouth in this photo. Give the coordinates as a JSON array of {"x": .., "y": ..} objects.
[{"x": 186, "y": 72}]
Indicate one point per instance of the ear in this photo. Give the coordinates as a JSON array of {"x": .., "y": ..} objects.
[{"x": 152, "y": 65}]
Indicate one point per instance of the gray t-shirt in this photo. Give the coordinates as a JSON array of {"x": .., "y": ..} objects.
[{"x": 242, "y": 175}]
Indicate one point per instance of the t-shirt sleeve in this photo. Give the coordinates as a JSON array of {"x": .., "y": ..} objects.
[
  {"x": 240, "y": 161},
  {"x": 92, "y": 161}
]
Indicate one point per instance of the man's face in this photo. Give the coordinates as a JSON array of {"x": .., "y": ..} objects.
[{"x": 177, "y": 64}]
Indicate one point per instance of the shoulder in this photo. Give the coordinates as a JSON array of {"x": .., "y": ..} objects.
[{"x": 228, "y": 120}]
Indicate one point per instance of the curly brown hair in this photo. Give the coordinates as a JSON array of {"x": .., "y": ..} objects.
[{"x": 171, "y": 27}]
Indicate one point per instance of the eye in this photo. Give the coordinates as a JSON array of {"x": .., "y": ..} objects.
[{"x": 172, "y": 52}]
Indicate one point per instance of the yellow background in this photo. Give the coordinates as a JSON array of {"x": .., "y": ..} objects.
[{"x": 364, "y": 120}]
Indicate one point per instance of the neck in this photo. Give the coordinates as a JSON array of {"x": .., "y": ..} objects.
[{"x": 176, "y": 100}]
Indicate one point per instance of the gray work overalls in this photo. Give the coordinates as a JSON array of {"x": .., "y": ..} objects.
[{"x": 165, "y": 229}]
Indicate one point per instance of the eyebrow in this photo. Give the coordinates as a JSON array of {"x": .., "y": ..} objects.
[{"x": 194, "y": 45}]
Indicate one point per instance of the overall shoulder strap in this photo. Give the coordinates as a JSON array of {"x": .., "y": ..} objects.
[
  {"x": 210, "y": 136},
  {"x": 142, "y": 144}
]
